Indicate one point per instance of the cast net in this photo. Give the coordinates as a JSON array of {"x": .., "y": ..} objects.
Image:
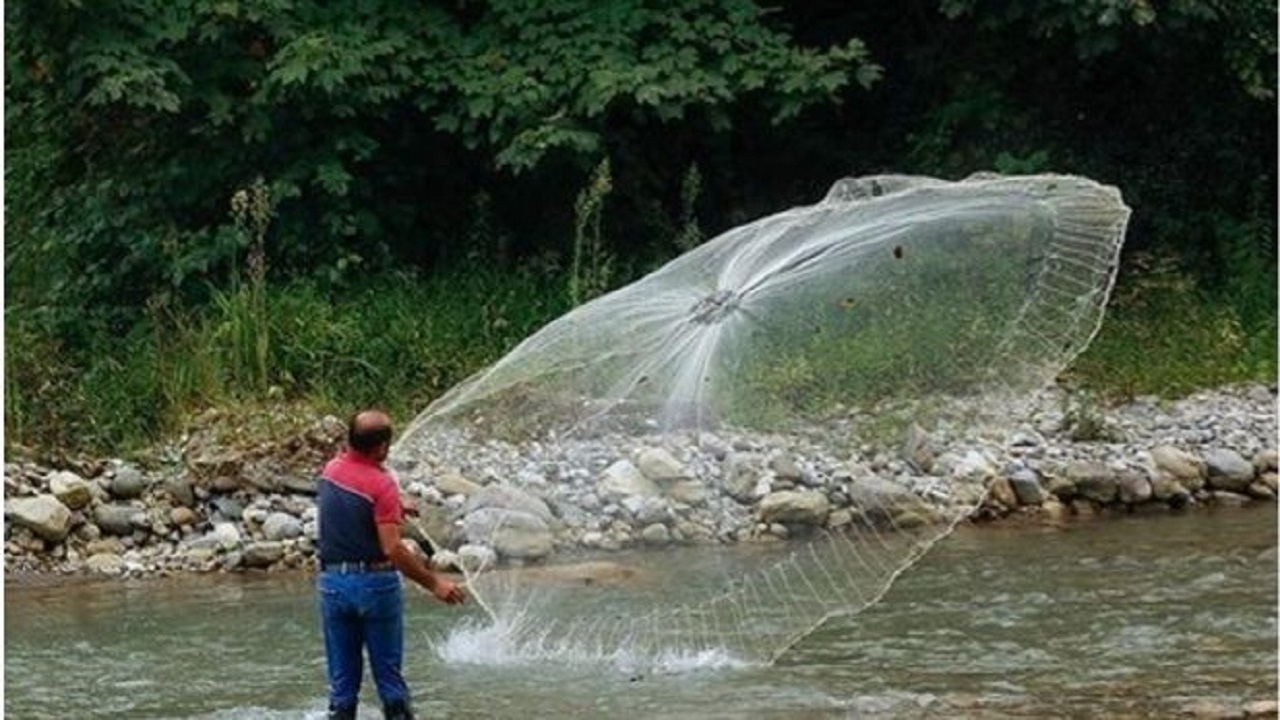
[{"x": 840, "y": 374}]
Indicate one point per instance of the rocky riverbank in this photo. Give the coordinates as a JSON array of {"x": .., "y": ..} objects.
[{"x": 213, "y": 508}]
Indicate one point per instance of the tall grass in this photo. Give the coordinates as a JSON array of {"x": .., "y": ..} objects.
[
  {"x": 401, "y": 340},
  {"x": 397, "y": 343},
  {"x": 592, "y": 265},
  {"x": 1166, "y": 335}
]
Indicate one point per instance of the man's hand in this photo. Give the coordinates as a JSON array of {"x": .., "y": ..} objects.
[{"x": 448, "y": 592}]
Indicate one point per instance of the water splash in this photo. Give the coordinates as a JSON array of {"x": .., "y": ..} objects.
[{"x": 518, "y": 638}]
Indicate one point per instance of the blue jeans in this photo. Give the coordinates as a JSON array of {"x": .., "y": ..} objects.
[{"x": 358, "y": 611}]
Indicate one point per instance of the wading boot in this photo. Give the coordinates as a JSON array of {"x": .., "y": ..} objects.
[
  {"x": 397, "y": 710},
  {"x": 345, "y": 714}
]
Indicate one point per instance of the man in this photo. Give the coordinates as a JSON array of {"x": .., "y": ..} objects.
[{"x": 361, "y": 602}]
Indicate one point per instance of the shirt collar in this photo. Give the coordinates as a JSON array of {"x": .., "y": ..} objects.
[{"x": 358, "y": 457}]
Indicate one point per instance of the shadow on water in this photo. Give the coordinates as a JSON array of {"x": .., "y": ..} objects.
[{"x": 1128, "y": 617}]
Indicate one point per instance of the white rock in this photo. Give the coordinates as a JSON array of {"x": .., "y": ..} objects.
[
  {"x": 623, "y": 479},
  {"x": 656, "y": 534},
  {"x": 281, "y": 526},
  {"x": 659, "y": 465},
  {"x": 44, "y": 515},
  {"x": 70, "y": 489},
  {"x": 803, "y": 507},
  {"x": 227, "y": 535}
]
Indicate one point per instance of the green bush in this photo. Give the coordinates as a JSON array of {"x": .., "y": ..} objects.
[{"x": 1164, "y": 335}]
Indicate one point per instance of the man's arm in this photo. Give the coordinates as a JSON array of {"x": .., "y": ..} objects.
[{"x": 406, "y": 562}]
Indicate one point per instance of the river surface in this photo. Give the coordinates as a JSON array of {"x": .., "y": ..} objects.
[{"x": 1120, "y": 617}]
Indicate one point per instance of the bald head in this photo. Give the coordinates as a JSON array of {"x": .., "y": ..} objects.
[{"x": 369, "y": 433}]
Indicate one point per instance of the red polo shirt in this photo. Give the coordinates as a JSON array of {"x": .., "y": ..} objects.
[{"x": 354, "y": 495}]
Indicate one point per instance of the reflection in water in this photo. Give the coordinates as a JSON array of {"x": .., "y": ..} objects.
[{"x": 1134, "y": 617}]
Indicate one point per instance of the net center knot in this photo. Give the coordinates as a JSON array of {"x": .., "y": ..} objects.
[{"x": 714, "y": 307}]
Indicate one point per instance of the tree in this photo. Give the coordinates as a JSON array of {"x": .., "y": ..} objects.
[{"x": 138, "y": 119}]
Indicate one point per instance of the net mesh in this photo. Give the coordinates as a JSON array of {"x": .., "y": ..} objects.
[{"x": 896, "y": 308}]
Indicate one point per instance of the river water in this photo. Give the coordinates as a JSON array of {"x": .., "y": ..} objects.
[{"x": 1121, "y": 617}]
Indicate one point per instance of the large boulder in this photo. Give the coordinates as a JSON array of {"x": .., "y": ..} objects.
[
  {"x": 435, "y": 523},
  {"x": 1026, "y": 486},
  {"x": 44, "y": 515},
  {"x": 511, "y": 533},
  {"x": 785, "y": 467},
  {"x": 1060, "y": 487},
  {"x": 1166, "y": 489},
  {"x": 622, "y": 479},
  {"x": 227, "y": 536},
  {"x": 1094, "y": 481},
  {"x": 876, "y": 498},
  {"x": 227, "y": 508},
  {"x": 183, "y": 516},
  {"x": 116, "y": 519},
  {"x": 1188, "y": 470},
  {"x": 1228, "y": 470},
  {"x": 298, "y": 484},
  {"x": 655, "y": 534},
  {"x": 972, "y": 467},
  {"x": 799, "y": 507},
  {"x": 454, "y": 483},
  {"x": 647, "y": 510}
]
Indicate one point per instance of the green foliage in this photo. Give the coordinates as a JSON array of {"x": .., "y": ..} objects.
[
  {"x": 137, "y": 119},
  {"x": 536, "y": 77},
  {"x": 1165, "y": 336},
  {"x": 403, "y": 139}
]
